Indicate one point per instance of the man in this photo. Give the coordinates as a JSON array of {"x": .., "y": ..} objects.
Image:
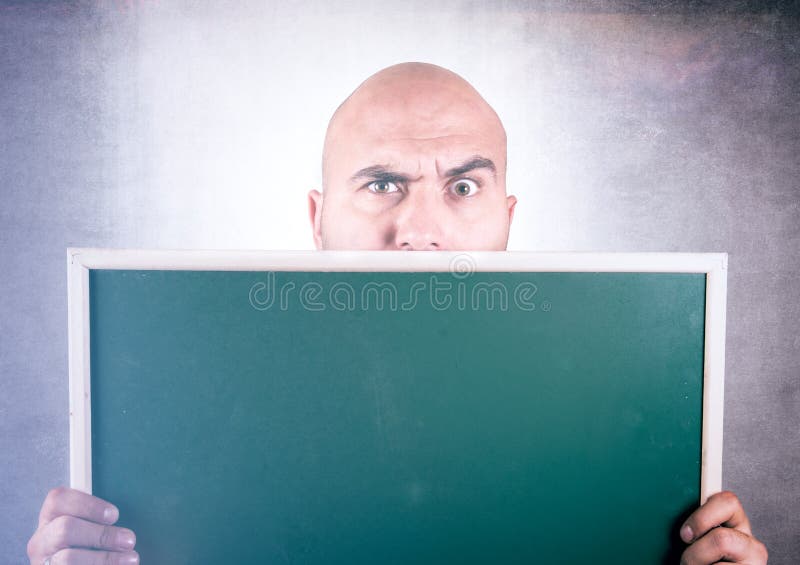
[{"x": 414, "y": 159}]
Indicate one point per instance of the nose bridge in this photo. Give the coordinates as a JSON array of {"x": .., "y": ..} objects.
[{"x": 418, "y": 220}]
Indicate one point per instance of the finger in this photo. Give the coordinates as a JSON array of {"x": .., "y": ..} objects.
[
  {"x": 88, "y": 557},
  {"x": 63, "y": 501},
  {"x": 67, "y": 532},
  {"x": 725, "y": 544},
  {"x": 721, "y": 509}
]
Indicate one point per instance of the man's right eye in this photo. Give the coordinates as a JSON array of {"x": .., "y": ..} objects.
[{"x": 382, "y": 187}]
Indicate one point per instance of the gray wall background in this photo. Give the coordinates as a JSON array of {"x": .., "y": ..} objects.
[{"x": 632, "y": 127}]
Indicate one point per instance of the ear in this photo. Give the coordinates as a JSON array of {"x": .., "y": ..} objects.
[
  {"x": 315, "y": 215},
  {"x": 512, "y": 202}
]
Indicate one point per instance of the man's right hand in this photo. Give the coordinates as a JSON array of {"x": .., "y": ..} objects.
[{"x": 75, "y": 527}]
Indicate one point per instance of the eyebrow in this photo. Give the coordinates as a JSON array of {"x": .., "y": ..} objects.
[
  {"x": 380, "y": 173},
  {"x": 476, "y": 162},
  {"x": 385, "y": 174}
]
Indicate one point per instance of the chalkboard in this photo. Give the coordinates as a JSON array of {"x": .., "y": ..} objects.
[{"x": 467, "y": 409}]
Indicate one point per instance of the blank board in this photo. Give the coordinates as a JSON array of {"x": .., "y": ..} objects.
[{"x": 385, "y": 407}]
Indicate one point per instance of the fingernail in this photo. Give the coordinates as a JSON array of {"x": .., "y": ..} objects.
[
  {"x": 111, "y": 514},
  {"x": 126, "y": 539},
  {"x": 686, "y": 533},
  {"x": 132, "y": 559}
]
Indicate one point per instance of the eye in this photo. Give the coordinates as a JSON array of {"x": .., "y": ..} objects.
[
  {"x": 464, "y": 187},
  {"x": 382, "y": 187}
]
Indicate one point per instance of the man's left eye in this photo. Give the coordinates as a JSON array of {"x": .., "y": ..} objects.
[{"x": 464, "y": 187}]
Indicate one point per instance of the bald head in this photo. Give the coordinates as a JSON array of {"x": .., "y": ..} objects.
[
  {"x": 412, "y": 100},
  {"x": 413, "y": 159}
]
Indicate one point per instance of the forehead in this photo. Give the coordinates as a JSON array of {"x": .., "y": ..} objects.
[
  {"x": 424, "y": 112},
  {"x": 416, "y": 154},
  {"x": 404, "y": 136}
]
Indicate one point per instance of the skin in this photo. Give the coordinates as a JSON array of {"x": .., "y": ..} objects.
[
  {"x": 417, "y": 122},
  {"x": 75, "y": 527}
]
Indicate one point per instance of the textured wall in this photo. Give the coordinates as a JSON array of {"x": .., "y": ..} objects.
[{"x": 631, "y": 128}]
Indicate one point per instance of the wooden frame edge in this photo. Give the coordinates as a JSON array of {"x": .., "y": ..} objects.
[
  {"x": 233, "y": 260},
  {"x": 80, "y": 413},
  {"x": 81, "y": 260},
  {"x": 714, "y": 379}
]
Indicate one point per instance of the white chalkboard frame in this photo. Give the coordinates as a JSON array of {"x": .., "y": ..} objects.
[{"x": 81, "y": 260}]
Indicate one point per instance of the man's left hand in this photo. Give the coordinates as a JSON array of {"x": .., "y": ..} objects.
[{"x": 720, "y": 531}]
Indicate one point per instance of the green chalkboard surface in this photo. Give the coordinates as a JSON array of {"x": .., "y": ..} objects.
[{"x": 397, "y": 417}]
